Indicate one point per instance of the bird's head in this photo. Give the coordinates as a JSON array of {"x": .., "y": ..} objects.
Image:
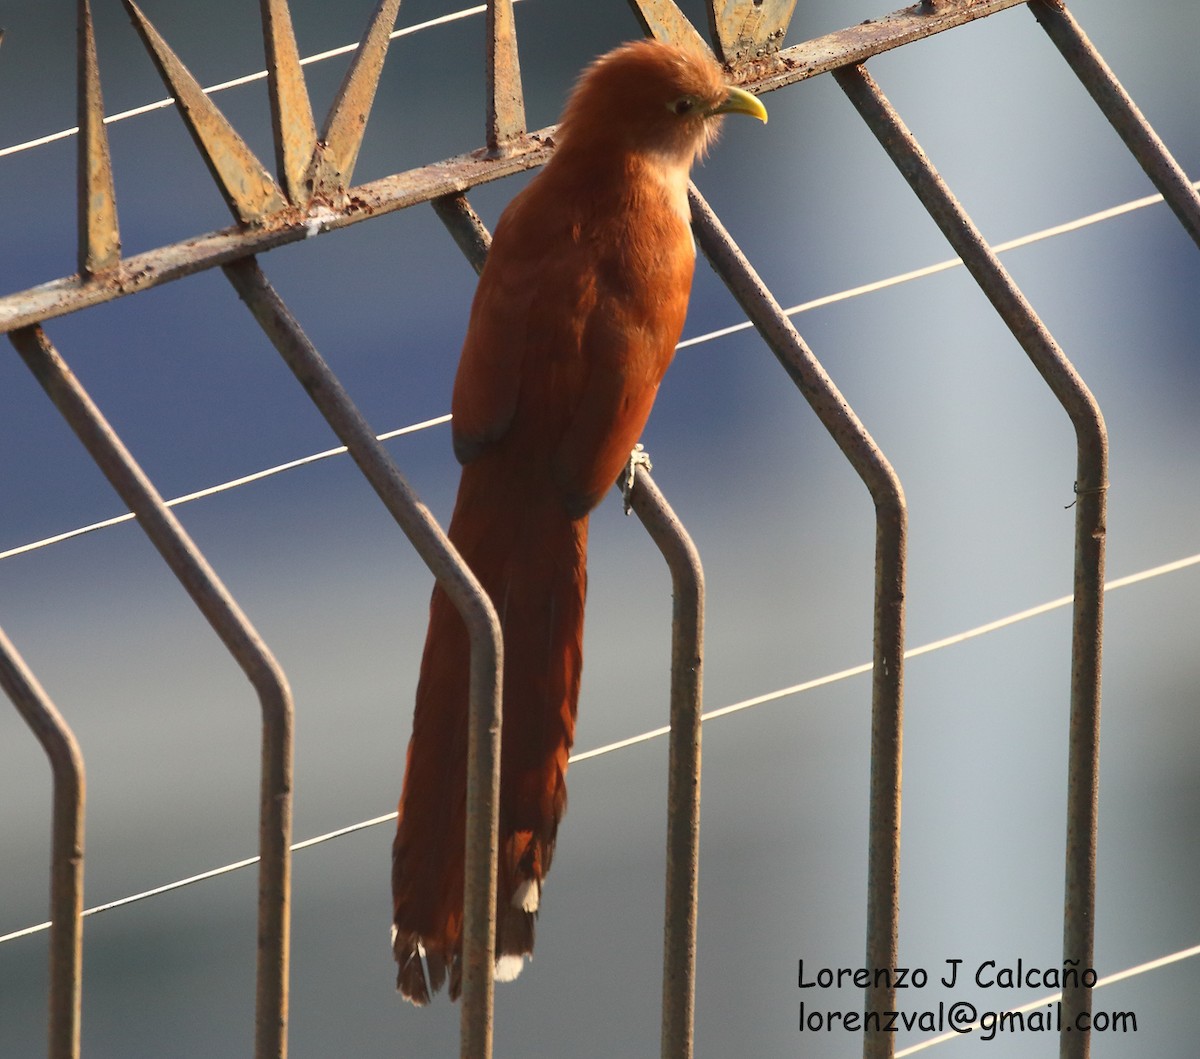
[{"x": 651, "y": 97}]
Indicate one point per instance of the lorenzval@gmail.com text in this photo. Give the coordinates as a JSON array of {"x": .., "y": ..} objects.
[{"x": 958, "y": 1016}]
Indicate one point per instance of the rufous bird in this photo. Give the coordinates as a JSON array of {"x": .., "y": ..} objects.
[{"x": 573, "y": 325}]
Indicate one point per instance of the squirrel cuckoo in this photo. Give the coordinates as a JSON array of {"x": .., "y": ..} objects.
[{"x": 574, "y": 322}]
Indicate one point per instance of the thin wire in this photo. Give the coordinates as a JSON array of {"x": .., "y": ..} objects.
[
  {"x": 1111, "y": 979},
  {"x": 711, "y": 715},
  {"x": 212, "y": 490},
  {"x": 941, "y": 266},
  {"x": 225, "y": 869},
  {"x": 246, "y": 79}
]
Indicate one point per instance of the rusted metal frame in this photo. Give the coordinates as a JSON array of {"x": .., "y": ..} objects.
[
  {"x": 683, "y": 769},
  {"x": 66, "y": 850},
  {"x": 505, "y": 99},
  {"x": 891, "y": 532},
  {"x": 99, "y": 238},
  {"x": 1091, "y": 484},
  {"x": 1121, "y": 111},
  {"x": 155, "y": 267},
  {"x": 484, "y": 717},
  {"x": 396, "y": 192},
  {"x": 872, "y": 37},
  {"x": 240, "y": 639}
]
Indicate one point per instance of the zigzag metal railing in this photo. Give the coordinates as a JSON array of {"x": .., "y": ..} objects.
[
  {"x": 251, "y": 654},
  {"x": 66, "y": 854},
  {"x": 314, "y": 195}
]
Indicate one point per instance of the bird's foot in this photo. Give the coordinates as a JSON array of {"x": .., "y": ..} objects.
[{"x": 639, "y": 457}]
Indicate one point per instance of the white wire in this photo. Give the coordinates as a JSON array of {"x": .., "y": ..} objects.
[
  {"x": 1032, "y": 1005},
  {"x": 212, "y": 490},
  {"x": 246, "y": 79},
  {"x": 655, "y": 733},
  {"x": 225, "y": 869},
  {"x": 941, "y": 266}
]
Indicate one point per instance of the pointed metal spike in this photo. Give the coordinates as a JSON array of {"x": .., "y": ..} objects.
[
  {"x": 663, "y": 20},
  {"x": 248, "y": 189},
  {"x": 291, "y": 111},
  {"x": 748, "y": 29},
  {"x": 333, "y": 161},
  {"x": 99, "y": 238},
  {"x": 505, "y": 100}
]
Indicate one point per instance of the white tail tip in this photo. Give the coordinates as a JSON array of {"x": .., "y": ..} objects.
[{"x": 508, "y": 967}]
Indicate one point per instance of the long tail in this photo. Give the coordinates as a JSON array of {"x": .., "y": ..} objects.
[{"x": 530, "y": 556}]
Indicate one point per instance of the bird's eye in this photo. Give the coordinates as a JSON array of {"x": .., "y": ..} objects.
[{"x": 683, "y": 105}]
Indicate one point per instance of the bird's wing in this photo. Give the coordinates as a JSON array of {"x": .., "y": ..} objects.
[
  {"x": 525, "y": 320},
  {"x": 627, "y": 343},
  {"x": 572, "y": 328}
]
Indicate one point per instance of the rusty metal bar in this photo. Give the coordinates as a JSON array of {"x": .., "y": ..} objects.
[
  {"x": 871, "y": 37},
  {"x": 683, "y": 783},
  {"x": 239, "y": 638},
  {"x": 664, "y": 20},
  {"x": 891, "y": 532},
  {"x": 66, "y": 854},
  {"x": 99, "y": 238},
  {"x": 246, "y": 186},
  {"x": 292, "y": 123},
  {"x": 461, "y": 173},
  {"x": 483, "y": 748},
  {"x": 464, "y": 224},
  {"x": 1115, "y": 103},
  {"x": 1091, "y": 484},
  {"x": 342, "y": 136},
  {"x": 505, "y": 99},
  {"x": 748, "y": 30}
]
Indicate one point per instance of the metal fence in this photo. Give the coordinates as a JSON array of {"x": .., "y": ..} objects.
[{"x": 313, "y": 192}]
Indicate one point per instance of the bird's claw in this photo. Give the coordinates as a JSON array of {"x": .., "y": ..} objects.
[{"x": 639, "y": 457}]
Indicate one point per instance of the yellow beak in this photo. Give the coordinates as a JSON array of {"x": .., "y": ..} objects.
[{"x": 741, "y": 102}]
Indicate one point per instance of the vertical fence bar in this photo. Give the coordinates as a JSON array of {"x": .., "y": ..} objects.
[
  {"x": 1123, "y": 114},
  {"x": 683, "y": 783},
  {"x": 66, "y": 852},
  {"x": 292, "y": 124},
  {"x": 505, "y": 99},
  {"x": 469, "y": 232},
  {"x": 99, "y": 237},
  {"x": 891, "y": 532},
  {"x": 483, "y": 747},
  {"x": 240, "y": 639},
  {"x": 1091, "y": 484}
]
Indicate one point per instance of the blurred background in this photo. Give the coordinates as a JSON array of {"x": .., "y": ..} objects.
[{"x": 170, "y": 729}]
